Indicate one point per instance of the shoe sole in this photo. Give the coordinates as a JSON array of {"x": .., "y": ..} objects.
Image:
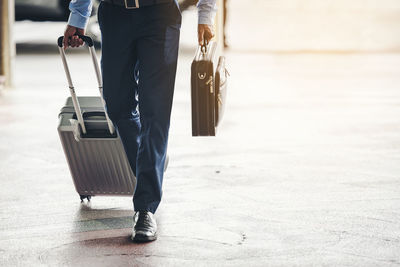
[{"x": 143, "y": 238}]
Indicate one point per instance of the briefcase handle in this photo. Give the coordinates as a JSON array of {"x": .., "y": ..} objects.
[
  {"x": 203, "y": 47},
  {"x": 88, "y": 40}
]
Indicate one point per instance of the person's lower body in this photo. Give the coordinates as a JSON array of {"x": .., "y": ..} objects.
[{"x": 139, "y": 59}]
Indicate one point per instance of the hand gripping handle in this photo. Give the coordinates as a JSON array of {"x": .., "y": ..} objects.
[
  {"x": 203, "y": 47},
  {"x": 87, "y": 39},
  {"x": 75, "y": 101}
]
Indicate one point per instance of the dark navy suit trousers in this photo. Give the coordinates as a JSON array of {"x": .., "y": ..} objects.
[{"x": 139, "y": 58}]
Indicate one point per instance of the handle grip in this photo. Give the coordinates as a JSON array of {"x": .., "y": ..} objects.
[
  {"x": 87, "y": 39},
  {"x": 203, "y": 47}
]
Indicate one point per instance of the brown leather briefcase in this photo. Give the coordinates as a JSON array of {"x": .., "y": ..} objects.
[{"x": 208, "y": 90}]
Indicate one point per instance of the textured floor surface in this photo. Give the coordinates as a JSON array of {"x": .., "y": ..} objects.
[{"x": 305, "y": 170}]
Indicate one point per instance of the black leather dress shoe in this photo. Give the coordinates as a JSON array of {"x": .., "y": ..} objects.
[{"x": 144, "y": 227}]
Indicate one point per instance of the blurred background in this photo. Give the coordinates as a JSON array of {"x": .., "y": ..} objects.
[
  {"x": 305, "y": 168},
  {"x": 266, "y": 25}
]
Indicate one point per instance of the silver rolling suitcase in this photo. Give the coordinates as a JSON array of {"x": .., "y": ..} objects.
[{"x": 94, "y": 151}]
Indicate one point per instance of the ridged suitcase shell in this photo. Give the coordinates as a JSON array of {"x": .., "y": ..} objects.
[{"x": 99, "y": 166}]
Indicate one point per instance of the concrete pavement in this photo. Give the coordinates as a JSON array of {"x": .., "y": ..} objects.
[{"x": 304, "y": 170}]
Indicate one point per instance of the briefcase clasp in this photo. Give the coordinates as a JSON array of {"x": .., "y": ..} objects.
[{"x": 202, "y": 76}]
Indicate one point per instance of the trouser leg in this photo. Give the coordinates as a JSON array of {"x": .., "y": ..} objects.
[
  {"x": 157, "y": 53},
  {"x": 118, "y": 61}
]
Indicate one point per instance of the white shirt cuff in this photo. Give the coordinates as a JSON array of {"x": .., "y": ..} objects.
[
  {"x": 77, "y": 20},
  {"x": 206, "y": 17}
]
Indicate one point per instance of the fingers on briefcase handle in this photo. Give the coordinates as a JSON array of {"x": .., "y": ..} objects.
[
  {"x": 88, "y": 40},
  {"x": 203, "y": 47}
]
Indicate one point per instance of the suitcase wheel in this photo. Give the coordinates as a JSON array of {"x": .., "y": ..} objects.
[{"x": 85, "y": 196}]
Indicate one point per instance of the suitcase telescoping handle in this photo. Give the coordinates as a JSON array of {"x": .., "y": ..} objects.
[{"x": 75, "y": 101}]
